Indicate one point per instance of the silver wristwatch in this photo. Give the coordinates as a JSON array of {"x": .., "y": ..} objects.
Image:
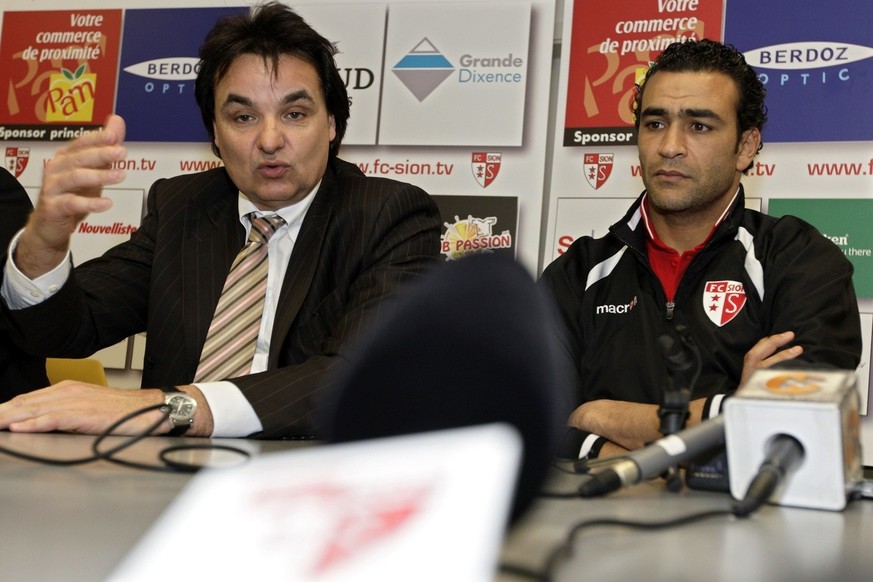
[{"x": 181, "y": 408}]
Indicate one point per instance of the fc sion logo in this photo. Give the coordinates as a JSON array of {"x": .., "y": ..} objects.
[
  {"x": 16, "y": 160},
  {"x": 485, "y": 167},
  {"x": 597, "y": 168},
  {"x": 723, "y": 300}
]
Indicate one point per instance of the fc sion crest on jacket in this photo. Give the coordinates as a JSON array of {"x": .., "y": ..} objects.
[{"x": 723, "y": 300}]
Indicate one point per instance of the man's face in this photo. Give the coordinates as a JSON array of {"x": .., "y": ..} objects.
[
  {"x": 689, "y": 152},
  {"x": 273, "y": 129}
]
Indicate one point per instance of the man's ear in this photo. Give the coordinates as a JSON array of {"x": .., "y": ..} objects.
[
  {"x": 750, "y": 141},
  {"x": 215, "y": 149}
]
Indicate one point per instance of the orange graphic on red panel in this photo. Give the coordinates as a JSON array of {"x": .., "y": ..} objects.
[
  {"x": 58, "y": 69},
  {"x": 610, "y": 48}
]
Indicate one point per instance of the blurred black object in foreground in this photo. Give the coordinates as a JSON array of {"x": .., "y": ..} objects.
[{"x": 473, "y": 342}]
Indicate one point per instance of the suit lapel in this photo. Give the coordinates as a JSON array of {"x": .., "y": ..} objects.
[{"x": 303, "y": 263}]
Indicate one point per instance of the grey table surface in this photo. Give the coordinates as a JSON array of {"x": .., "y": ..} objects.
[{"x": 76, "y": 523}]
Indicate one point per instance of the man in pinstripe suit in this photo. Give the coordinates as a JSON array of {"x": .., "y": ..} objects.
[
  {"x": 19, "y": 372},
  {"x": 276, "y": 109}
]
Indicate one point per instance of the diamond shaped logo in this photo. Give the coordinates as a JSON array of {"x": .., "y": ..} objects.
[{"x": 423, "y": 69}]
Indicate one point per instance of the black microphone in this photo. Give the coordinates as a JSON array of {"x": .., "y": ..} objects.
[
  {"x": 474, "y": 341},
  {"x": 680, "y": 363},
  {"x": 674, "y": 410},
  {"x": 656, "y": 458},
  {"x": 784, "y": 454}
]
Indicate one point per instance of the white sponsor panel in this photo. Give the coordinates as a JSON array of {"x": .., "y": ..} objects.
[
  {"x": 358, "y": 30},
  {"x": 577, "y": 217},
  {"x": 456, "y": 77},
  {"x": 100, "y": 231}
]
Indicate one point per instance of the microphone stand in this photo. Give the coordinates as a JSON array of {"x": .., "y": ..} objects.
[{"x": 683, "y": 366}]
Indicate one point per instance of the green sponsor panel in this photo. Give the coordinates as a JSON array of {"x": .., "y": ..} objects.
[{"x": 847, "y": 222}]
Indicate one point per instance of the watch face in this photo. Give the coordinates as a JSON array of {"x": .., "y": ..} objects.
[{"x": 181, "y": 407}]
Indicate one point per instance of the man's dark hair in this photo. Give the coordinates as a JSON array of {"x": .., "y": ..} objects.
[
  {"x": 271, "y": 31},
  {"x": 710, "y": 56}
]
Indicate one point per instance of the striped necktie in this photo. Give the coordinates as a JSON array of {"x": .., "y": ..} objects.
[{"x": 230, "y": 342}]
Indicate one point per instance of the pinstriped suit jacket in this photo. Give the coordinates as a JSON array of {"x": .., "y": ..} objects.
[
  {"x": 362, "y": 240},
  {"x": 19, "y": 372}
]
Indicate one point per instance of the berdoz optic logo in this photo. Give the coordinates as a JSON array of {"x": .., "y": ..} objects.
[
  {"x": 423, "y": 69},
  {"x": 179, "y": 69},
  {"x": 800, "y": 56}
]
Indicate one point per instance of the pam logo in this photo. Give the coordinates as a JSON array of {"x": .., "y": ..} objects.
[
  {"x": 807, "y": 55},
  {"x": 71, "y": 95}
]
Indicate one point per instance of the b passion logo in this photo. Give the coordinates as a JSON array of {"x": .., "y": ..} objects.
[
  {"x": 473, "y": 236},
  {"x": 798, "y": 60},
  {"x": 180, "y": 70}
]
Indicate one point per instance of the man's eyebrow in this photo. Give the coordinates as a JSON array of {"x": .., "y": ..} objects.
[
  {"x": 654, "y": 112},
  {"x": 301, "y": 95},
  {"x": 233, "y": 98},
  {"x": 703, "y": 113},
  {"x": 684, "y": 113}
]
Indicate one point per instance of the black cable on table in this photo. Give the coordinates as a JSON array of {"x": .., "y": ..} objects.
[{"x": 110, "y": 454}]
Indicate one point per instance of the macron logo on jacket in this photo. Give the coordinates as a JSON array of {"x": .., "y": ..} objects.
[{"x": 616, "y": 309}]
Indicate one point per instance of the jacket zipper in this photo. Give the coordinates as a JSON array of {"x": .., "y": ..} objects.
[{"x": 670, "y": 305}]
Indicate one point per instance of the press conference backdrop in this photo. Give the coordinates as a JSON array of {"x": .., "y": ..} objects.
[{"x": 514, "y": 115}]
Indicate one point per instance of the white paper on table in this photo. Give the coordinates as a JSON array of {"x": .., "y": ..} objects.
[{"x": 430, "y": 506}]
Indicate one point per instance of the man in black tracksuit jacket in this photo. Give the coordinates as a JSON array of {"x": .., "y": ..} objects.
[
  {"x": 759, "y": 275},
  {"x": 688, "y": 261}
]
